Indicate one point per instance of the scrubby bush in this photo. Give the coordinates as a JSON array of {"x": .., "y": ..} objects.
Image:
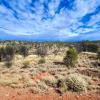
[
  {"x": 61, "y": 84},
  {"x": 76, "y": 83},
  {"x": 26, "y": 63},
  {"x": 71, "y": 57},
  {"x": 50, "y": 81},
  {"x": 98, "y": 55},
  {"x": 41, "y": 50},
  {"x": 9, "y": 50},
  {"x": 23, "y": 50},
  {"x": 89, "y": 47},
  {"x": 41, "y": 61},
  {"x": 92, "y": 48},
  {"x": 7, "y": 53},
  {"x": 1, "y": 53}
]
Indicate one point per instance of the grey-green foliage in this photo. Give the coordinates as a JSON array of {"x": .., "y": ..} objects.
[
  {"x": 23, "y": 50},
  {"x": 76, "y": 83},
  {"x": 73, "y": 82},
  {"x": 42, "y": 50},
  {"x": 71, "y": 57},
  {"x": 7, "y": 53}
]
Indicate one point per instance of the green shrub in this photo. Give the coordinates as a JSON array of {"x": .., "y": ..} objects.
[
  {"x": 71, "y": 57},
  {"x": 76, "y": 83}
]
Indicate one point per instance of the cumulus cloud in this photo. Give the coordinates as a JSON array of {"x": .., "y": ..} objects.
[{"x": 50, "y": 19}]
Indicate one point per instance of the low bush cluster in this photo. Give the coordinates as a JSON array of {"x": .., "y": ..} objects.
[
  {"x": 88, "y": 46},
  {"x": 76, "y": 83},
  {"x": 73, "y": 82}
]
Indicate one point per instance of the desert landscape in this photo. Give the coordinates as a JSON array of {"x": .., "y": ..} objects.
[
  {"x": 49, "y": 70},
  {"x": 49, "y": 49}
]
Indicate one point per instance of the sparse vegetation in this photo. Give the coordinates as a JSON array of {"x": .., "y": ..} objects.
[
  {"x": 39, "y": 66},
  {"x": 88, "y": 46},
  {"x": 42, "y": 60}
]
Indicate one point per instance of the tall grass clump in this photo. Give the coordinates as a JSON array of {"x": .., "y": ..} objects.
[{"x": 76, "y": 83}]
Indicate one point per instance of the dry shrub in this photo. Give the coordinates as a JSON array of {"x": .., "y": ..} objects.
[
  {"x": 50, "y": 80},
  {"x": 76, "y": 82},
  {"x": 40, "y": 86},
  {"x": 26, "y": 63},
  {"x": 61, "y": 85},
  {"x": 41, "y": 61}
]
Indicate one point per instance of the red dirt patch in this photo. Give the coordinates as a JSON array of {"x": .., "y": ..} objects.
[
  {"x": 7, "y": 93},
  {"x": 41, "y": 75}
]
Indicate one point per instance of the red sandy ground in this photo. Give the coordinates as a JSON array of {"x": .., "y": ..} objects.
[{"x": 7, "y": 93}]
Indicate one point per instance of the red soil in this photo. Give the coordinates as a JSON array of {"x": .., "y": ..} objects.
[
  {"x": 7, "y": 93},
  {"x": 41, "y": 75}
]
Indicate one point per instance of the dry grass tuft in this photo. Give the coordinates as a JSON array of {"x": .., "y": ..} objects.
[
  {"x": 50, "y": 80},
  {"x": 77, "y": 83}
]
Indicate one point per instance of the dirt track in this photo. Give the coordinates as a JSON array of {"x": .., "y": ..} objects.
[{"x": 7, "y": 93}]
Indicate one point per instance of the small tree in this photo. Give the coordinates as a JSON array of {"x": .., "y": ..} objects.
[{"x": 71, "y": 57}]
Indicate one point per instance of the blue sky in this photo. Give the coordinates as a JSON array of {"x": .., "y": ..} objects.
[{"x": 50, "y": 20}]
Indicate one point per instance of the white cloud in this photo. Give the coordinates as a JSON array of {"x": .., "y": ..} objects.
[{"x": 61, "y": 24}]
